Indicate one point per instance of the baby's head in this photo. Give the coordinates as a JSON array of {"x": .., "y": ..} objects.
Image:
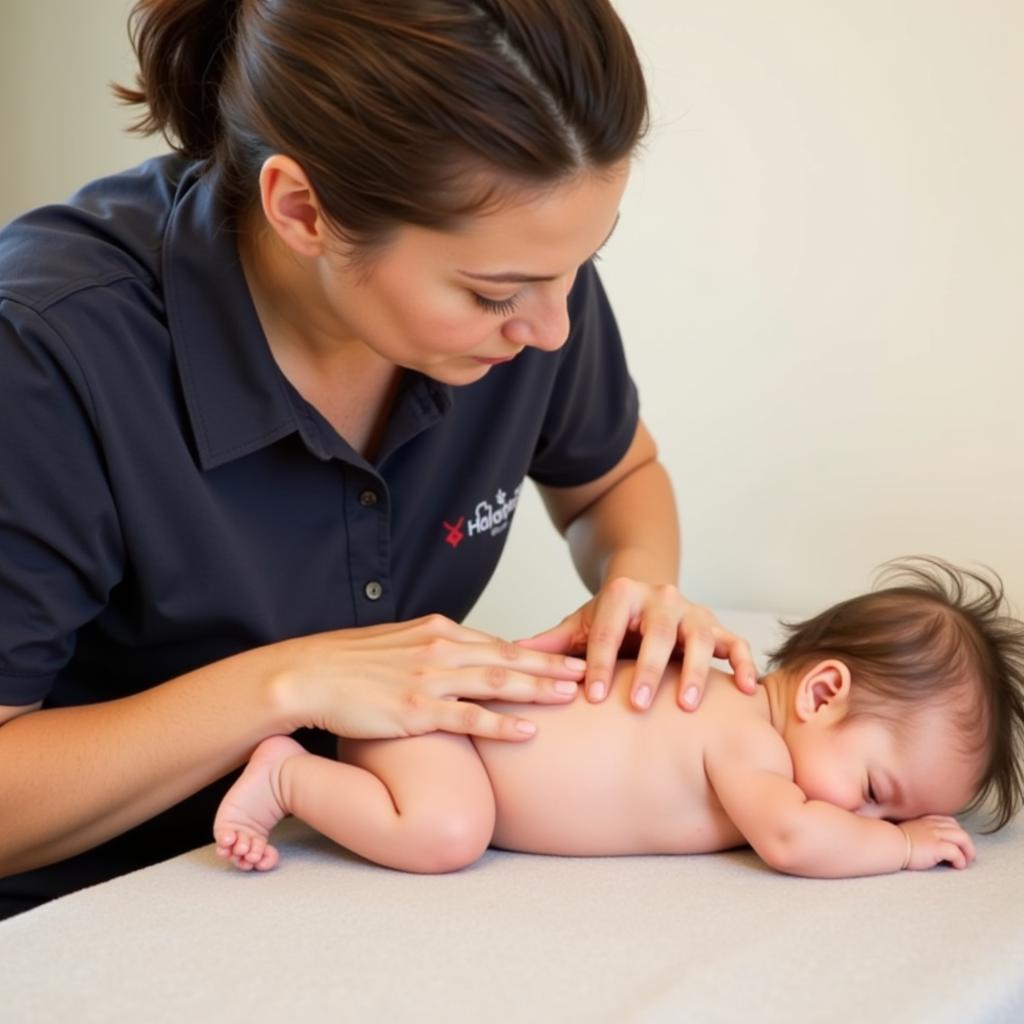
[{"x": 909, "y": 700}]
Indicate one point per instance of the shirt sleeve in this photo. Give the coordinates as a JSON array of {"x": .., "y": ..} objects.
[
  {"x": 60, "y": 543},
  {"x": 593, "y": 411}
]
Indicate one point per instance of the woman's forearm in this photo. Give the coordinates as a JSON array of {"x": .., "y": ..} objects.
[
  {"x": 631, "y": 530},
  {"x": 73, "y": 778}
]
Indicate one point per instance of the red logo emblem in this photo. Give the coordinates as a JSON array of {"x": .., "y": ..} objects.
[{"x": 455, "y": 533}]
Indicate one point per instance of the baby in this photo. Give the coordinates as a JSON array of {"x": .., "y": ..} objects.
[{"x": 903, "y": 705}]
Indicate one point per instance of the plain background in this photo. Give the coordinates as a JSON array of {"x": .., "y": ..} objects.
[{"x": 817, "y": 273}]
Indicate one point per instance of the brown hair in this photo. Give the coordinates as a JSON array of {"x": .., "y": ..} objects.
[
  {"x": 387, "y": 104},
  {"x": 935, "y": 630}
]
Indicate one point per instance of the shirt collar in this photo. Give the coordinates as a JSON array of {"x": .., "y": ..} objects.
[{"x": 235, "y": 393}]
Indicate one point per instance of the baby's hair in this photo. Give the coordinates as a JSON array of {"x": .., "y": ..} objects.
[{"x": 930, "y": 631}]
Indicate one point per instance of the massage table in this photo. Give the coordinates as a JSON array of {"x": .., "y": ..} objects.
[{"x": 515, "y": 937}]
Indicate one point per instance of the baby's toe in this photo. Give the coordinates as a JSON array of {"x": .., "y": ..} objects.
[
  {"x": 225, "y": 840},
  {"x": 257, "y": 847},
  {"x": 268, "y": 860}
]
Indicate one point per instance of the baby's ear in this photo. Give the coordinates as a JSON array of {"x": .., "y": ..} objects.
[{"x": 823, "y": 692}]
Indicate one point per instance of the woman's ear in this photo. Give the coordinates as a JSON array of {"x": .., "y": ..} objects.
[
  {"x": 823, "y": 692},
  {"x": 291, "y": 207}
]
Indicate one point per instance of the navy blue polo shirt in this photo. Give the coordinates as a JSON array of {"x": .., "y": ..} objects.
[{"x": 168, "y": 499}]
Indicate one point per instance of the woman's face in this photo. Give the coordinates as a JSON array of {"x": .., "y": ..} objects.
[{"x": 453, "y": 304}]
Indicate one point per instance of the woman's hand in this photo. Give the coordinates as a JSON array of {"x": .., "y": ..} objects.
[
  {"x": 407, "y": 678},
  {"x": 655, "y": 622}
]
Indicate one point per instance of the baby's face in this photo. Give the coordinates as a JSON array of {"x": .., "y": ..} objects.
[{"x": 868, "y": 766}]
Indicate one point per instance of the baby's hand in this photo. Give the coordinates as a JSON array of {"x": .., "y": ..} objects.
[{"x": 936, "y": 839}]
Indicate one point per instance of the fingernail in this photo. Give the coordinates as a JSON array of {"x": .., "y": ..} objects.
[
  {"x": 565, "y": 686},
  {"x": 527, "y": 728},
  {"x": 643, "y": 696},
  {"x": 691, "y": 696},
  {"x": 576, "y": 664},
  {"x": 597, "y": 691}
]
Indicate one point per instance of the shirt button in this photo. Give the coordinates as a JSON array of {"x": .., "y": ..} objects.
[
  {"x": 373, "y": 590},
  {"x": 368, "y": 498}
]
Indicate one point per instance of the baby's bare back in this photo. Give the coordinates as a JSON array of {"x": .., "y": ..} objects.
[{"x": 604, "y": 779}]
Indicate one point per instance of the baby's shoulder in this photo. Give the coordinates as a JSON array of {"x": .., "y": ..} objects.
[
  {"x": 723, "y": 696},
  {"x": 727, "y": 708},
  {"x": 739, "y": 725}
]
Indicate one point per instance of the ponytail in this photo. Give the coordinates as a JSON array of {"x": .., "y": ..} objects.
[{"x": 181, "y": 46}]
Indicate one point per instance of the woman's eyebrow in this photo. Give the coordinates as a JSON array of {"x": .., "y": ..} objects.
[
  {"x": 508, "y": 277},
  {"x": 515, "y": 277}
]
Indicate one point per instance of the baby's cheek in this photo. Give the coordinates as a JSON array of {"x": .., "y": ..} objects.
[
  {"x": 837, "y": 794},
  {"x": 818, "y": 783}
]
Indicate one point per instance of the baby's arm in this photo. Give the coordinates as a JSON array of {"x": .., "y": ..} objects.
[{"x": 752, "y": 775}]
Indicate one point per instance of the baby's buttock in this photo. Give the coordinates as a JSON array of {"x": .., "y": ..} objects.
[{"x": 604, "y": 779}]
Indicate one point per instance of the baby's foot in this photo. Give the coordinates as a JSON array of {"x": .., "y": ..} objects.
[{"x": 251, "y": 808}]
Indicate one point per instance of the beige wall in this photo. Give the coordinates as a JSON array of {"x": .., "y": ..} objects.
[
  {"x": 817, "y": 273},
  {"x": 59, "y": 124}
]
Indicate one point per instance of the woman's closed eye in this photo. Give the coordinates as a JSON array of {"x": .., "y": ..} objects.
[{"x": 500, "y": 307}]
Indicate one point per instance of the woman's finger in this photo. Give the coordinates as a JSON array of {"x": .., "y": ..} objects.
[
  {"x": 414, "y": 632},
  {"x": 659, "y": 638},
  {"x": 611, "y": 620},
  {"x": 468, "y": 719},
  {"x": 737, "y": 652},
  {"x": 698, "y": 640},
  {"x": 504, "y": 654},
  {"x": 498, "y": 682},
  {"x": 410, "y": 630},
  {"x": 568, "y": 637}
]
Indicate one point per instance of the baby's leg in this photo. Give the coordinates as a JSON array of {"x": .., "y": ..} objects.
[
  {"x": 427, "y": 804},
  {"x": 419, "y": 804}
]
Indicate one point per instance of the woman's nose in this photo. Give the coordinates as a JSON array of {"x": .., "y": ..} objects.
[{"x": 545, "y": 323}]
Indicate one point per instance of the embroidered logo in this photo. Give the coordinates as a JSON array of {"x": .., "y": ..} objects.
[
  {"x": 455, "y": 533},
  {"x": 487, "y": 518}
]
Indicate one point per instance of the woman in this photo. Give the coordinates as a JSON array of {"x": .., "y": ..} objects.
[{"x": 268, "y": 402}]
